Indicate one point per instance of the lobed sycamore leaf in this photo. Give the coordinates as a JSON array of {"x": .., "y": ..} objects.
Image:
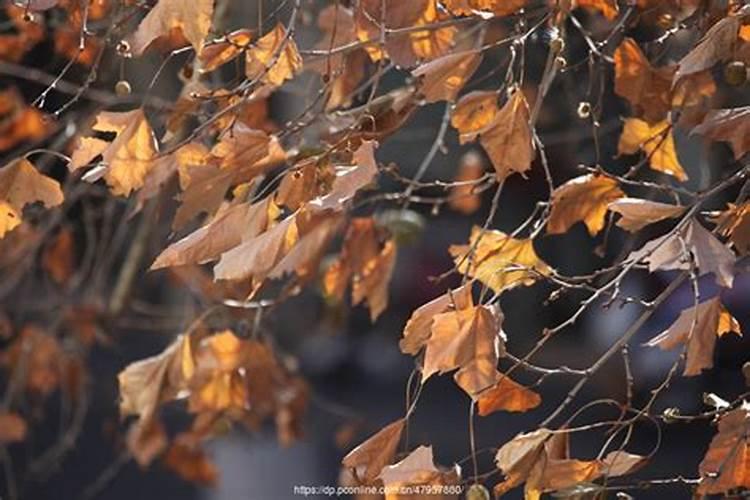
[
  {"x": 697, "y": 328},
  {"x": 192, "y": 19},
  {"x": 656, "y": 141},
  {"x": 585, "y": 198},
  {"x": 638, "y": 213},
  {"x": 473, "y": 113},
  {"x": 726, "y": 464},
  {"x": 507, "y": 139},
  {"x": 274, "y": 58},
  {"x": 370, "y": 457},
  {"x": 443, "y": 78},
  {"x": 22, "y": 184}
]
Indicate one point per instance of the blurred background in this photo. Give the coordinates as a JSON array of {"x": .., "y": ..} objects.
[{"x": 358, "y": 376}]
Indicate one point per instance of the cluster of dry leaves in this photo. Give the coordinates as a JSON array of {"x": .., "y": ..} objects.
[{"x": 269, "y": 209}]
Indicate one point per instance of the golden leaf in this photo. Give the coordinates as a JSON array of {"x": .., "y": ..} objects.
[
  {"x": 727, "y": 462},
  {"x": 473, "y": 113},
  {"x": 274, "y": 58},
  {"x": 499, "y": 261},
  {"x": 656, "y": 141},
  {"x": 507, "y": 395},
  {"x": 585, "y": 198}
]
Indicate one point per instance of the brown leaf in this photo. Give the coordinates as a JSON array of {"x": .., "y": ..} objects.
[
  {"x": 146, "y": 440},
  {"x": 499, "y": 261},
  {"x": 469, "y": 340},
  {"x": 621, "y": 463},
  {"x": 727, "y": 462},
  {"x": 406, "y": 49},
  {"x": 716, "y": 45},
  {"x": 192, "y": 19},
  {"x": 698, "y": 327},
  {"x": 419, "y": 327},
  {"x": 735, "y": 224},
  {"x": 507, "y": 395},
  {"x": 443, "y": 78},
  {"x": 637, "y": 213},
  {"x": 418, "y": 470},
  {"x": 127, "y": 160},
  {"x": 146, "y": 383},
  {"x": 220, "y": 52},
  {"x": 656, "y": 142},
  {"x": 517, "y": 458},
  {"x": 19, "y": 122},
  {"x": 21, "y": 184},
  {"x": 507, "y": 139},
  {"x": 241, "y": 145},
  {"x": 728, "y": 125},
  {"x": 585, "y": 198},
  {"x": 648, "y": 89},
  {"x": 473, "y": 113},
  {"x": 349, "y": 180},
  {"x": 274, "y": 58},
  {"x": 376, "y": 452},
  {"x": 371, "y": 284},
  {"x": 13, "y": 428},
  {"x": 711, "y": 255},
  {"x": 191, "y": 463}
]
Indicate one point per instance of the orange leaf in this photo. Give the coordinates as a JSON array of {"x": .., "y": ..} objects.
[
  {"x": 463, "y": 199},
  {"x": 274, "y": 58},
  {"x": 735, "y": 223},
  {"x": 13, "y": 428},
  {"x": 369, "y": 458},
  {"x": 507, "y": 395},
  {"x": 727, "y": 462},
  {"x": 192, "y": 19},
  {"x": 222, "y": 51},
  {"x": 585, "y": 198},
  {"x": 656, "y": 142},
  {"x": 507, "y": 139},
  {"x": 473, "y": 113},
  {"x": 444, "y": 77}
]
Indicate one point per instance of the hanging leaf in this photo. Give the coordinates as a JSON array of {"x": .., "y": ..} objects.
[
  {"x": 499, "y": 261},
  {"x": 734, "y": 223},
  {"x": 507, "y": 139},
  {"x": 507, "y": 395},
  {"x": 473, "y": 113},
  {"x": 443, "y": 78},
  {"x": 668, "y": 253},
  {"x": 274, "y": 58},
  {"x": 656, "y": 142},
  {"x": 417, "y": 472},
  {"x": 370, "y": 457},
  {"x": 727, "y": 459},
  {"x": 697, "y": 328},
  {"x": 192, "y": 19},
  {"x": 728, "y": 125},
  {"x": 637, "y": 213},
  {"x": 21, "y": 184},
  {"x": 585, "y": 198}
]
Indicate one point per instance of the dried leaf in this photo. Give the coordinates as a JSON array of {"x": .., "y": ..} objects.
[
  {"x": 192, "y": 19},
  {"x": 716, "y": 45},
  {"x": 58, "y": 258},
  {"x": 21, "y": 184},
  {"x": 473, "y": 113},
  {"x": 220, "y": 52},
  {"x": 405, "y": 49},
  {"x": 637, "y": 213},
  {"x": 697, "y": 327},
  {"x": 274, "y": 58},
  {"x": 146, "y": 383},
  {"x": 620, "y": 463},
  {"x": 727, "y": 462},
  {"x": 419, "y": 327},
  {"x": 191, "y": 463},
  {"x": 711, "y": 255},
  {"x": 735, "y": 224},
  {"x": 19, "y": 122},
  {"x": 146, "y": 440},
  {"x": 241, "y": 145},
  {"x": 507, "y": 139},
  {"x": 728, "y": 125},
  {"x": 656, "y": 142},
  {"x": 648, "y": 89},
  {"x": 517, "y": 458},
  {"x": 585, "y": 198},
  {"x": 507, "y": 395},
  {"x": 127, "y": 160},
  {"x": 443, "y": 78},
  {"x": 371, "y": 284},
  {"x": 376, "y": 452},
  {"x": 349, "y": 180},
  {"x": 499, "y": 261},
  {"x": 418, "y": 470}
]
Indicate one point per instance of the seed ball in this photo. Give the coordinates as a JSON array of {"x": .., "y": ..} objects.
[
  {"x": 584, "y": 110},
  {"x": 122, "y": 88},
  {"x": 735, "y": 73},
  {"x": 123, "y": 48},
  {"x": 477, "y": 492},
  {"x": 561, "y": 62}
]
